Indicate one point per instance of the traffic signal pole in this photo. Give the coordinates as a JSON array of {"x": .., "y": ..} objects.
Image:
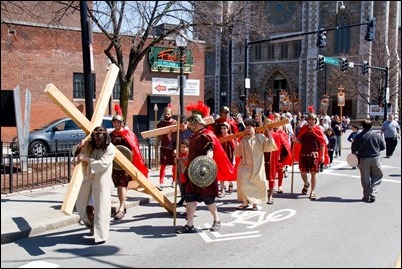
[{"x": 248, "y": 43}]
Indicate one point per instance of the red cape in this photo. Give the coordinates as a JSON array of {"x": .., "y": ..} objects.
[
  {"x": 135, "y": 148},
  {"x": 225, "y": 167}
]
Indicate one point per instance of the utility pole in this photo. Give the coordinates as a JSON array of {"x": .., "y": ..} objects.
[{"x": 86, "y": 36}]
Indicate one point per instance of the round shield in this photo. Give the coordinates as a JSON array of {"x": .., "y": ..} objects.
[
  {"x": 352, "y": 160},
  {"x": 126, "y": 152},
  {"x": 202, "y": 171}
]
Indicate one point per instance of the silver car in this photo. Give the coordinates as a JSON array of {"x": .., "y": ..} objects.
[{"x": 57, "y": 136}]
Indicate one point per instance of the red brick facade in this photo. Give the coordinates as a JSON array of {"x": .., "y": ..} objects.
[{"x": 35, "y": 56}]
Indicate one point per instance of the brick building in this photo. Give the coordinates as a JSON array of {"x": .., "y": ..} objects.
[{"x": 34, "y": 54}]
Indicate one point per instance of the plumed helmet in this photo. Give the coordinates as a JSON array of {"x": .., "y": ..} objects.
[
  {"x": 196, "y": 118},
  {"x": 117, "y": 117},
  {"x": 198, "y": 111},
  {"x": 119, "y": 113},
  {"x": 168, "y": 108}
]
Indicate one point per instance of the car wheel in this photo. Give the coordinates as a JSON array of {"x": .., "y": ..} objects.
[{"x": 38, "y": 148}]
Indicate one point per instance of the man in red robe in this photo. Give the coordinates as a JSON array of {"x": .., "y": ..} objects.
[{"x": 310, "y": 151}]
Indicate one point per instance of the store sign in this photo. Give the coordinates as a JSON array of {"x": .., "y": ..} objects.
[
  {"x": 170, "y": 86},
  {"x": 162, "y": 59}
]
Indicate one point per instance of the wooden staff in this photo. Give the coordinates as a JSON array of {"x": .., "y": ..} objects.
[
  {"x": 293, "y": 154},
  {"x": 177, "y": 167},
  {"x": 157, "y": 149},
  {"x": 259, "y": 129}
]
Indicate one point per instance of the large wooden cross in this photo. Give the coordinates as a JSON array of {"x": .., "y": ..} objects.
[{"x": 86, "y": 125}]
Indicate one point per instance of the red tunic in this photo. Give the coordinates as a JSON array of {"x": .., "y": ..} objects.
[
  {"x": 200, "y": 142},
  {"x": 166, "y": 152},
  {"x": 128, "y": 139},
  {"x": 318, "y": 134}
]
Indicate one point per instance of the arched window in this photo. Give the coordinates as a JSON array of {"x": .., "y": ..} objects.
[{"x": 342, "y": 36}]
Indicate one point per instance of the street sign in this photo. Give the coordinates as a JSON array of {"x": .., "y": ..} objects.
[
  {"x": 170, "y": 64},
  {"x": 329, "y": 60}
]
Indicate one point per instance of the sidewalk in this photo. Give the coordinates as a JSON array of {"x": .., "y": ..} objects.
[{"x": 30, "y": 213}]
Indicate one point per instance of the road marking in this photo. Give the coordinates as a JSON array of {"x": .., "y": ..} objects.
[
  {"x": 39, "y": 264},
  {"x": 228, "y": 237}
]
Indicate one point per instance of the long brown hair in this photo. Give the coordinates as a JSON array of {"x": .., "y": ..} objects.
[{"x": 103, "y": 134}]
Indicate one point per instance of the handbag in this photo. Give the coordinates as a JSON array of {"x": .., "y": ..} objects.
[{"x": 352, "y": 158}]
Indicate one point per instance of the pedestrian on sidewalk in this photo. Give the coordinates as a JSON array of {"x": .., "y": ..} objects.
[
  {"x": 97, "y": 155},
  {"x": 390, "y": 130}
]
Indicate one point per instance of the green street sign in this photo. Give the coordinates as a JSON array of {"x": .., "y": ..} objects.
[
  {"x": 170, "y": 64},
  {"x": 329, "y": 60}
]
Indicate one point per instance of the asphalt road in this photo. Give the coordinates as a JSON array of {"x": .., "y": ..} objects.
[{"x": 336, "y": 230}]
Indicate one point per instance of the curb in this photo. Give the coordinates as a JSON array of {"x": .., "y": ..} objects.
[{"x": 36, "y": 229}]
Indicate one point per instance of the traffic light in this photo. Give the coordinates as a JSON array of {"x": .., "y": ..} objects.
[
  {"x": 365, "y": 67},
  {"x": 370, "y": 30},
  {"x": 320, "y": 62},
  {"x": 321, "y": 39},
  {"x": 344, "y": 64}
]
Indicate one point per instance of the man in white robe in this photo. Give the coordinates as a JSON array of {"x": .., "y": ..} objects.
[
  {"x": 251, "y": 183},
  {"x": 97, "y": 156}
]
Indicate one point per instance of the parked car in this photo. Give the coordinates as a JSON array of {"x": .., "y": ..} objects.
[{"x": 57, "y": 136}]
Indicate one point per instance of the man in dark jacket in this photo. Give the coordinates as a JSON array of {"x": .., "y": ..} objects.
[{"x": 367, "y": 145}]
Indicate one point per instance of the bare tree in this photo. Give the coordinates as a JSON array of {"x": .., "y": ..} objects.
[
  {"x": 138, "y": 22},
  {"x": 382, "y": 57}
]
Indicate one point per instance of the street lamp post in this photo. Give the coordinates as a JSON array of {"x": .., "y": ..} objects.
[
  {"x": 181, "y": 43},
  {"x": 246, "y": 78}
]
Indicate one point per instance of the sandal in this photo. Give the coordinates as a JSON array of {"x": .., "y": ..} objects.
[
  {"x": 305, "y": 189},
  {"x": 255, "y": 208},
  {"x": 230, "y": 188},
  {"x": 119, "y": 215},
  {"x": 221, "y": 194},
  {"x": 241, "y": 207},
  {"x": 312, "y": 196}
]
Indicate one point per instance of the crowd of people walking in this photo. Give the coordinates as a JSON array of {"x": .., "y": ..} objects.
[{"x": 254, "y": 152}]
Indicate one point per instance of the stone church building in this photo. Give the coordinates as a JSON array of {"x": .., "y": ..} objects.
[{"x": 283, "y": 72}]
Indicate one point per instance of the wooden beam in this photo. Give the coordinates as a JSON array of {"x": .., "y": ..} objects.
[
  {"x": 168, "y": 129},
  {"x": 259, "y": 129},
  {"x": 75, "y": 184}
]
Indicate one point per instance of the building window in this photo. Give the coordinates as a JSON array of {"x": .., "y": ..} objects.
[
  {"x": 209, "y": 64},
  {"x": 342, "y": 36},
  {"x": 271, "y": 51},
  {"x": 116, "y": 91},
  {"x": 257, "y": 52},
  {"x": 79, "y": 85},
  {"x": 284, "y": 50},
  {"x": 296, "y": 49}
]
